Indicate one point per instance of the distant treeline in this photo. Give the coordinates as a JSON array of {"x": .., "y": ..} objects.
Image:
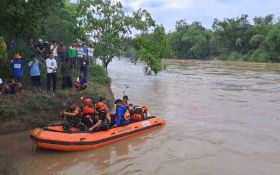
[{"x": 228, "y": 39}]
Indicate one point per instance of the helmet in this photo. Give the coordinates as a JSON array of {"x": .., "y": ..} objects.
[
  {"x": 88, "y": 110},
  {"x": 87, "y": 101},
  {"x": 100, "y": 106}
]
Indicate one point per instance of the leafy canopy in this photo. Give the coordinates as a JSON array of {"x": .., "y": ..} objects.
[{"x": 108, "y": 25}]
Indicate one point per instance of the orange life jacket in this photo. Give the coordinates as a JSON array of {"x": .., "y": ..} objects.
[{"x": 126, "y": 116}]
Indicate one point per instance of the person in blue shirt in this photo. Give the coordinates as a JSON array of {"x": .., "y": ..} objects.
[
  {"x": 35, "y": 71},
  {"x": 84, "y": 66},
  {"x": 85, "y": 48},
  {"x": 17, "y": 67},
  {"x": 122, "y": 114}
]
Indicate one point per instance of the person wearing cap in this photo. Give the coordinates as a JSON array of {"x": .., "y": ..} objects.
[
  {"x": 122, "y": 113},
  {"x": 35, "y": 74},
  {"x": 125, "y": 100},
  {"x": 103, "y": 116},
  {"x": 51, "y": 65},
  {"x": 17, "y": 67}
]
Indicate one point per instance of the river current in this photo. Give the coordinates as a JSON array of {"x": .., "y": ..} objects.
[{"x": 222, "y": 118}]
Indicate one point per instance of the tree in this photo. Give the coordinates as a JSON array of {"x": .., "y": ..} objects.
[
  {"x": 189, "y": 41},
  {"x": 152, "y": 48},
  {"x": 108, "y": 25},
  {"x": 22, "y": 19},
  {"x": 61, "y": 24}
]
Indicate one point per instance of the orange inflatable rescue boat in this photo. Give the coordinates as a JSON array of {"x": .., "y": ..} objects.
[{"x": 54, "y": 138}]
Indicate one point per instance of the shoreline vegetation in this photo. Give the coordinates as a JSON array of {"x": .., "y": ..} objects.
[
  {"x": 229, "y": 39},
  {"x": 27, "y": 109}
]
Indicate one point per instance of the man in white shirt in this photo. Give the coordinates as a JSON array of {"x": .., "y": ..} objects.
[
  {"x": 53, "y": 48},
  {"x": 90, "y": 55},
  {"x": 1, "y": 84},
  {"x": 80, "y": 54},
  {"x": 51, "y": 65}
]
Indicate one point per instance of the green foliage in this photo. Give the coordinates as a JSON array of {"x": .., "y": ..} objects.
[
  {"x": 38, "y": 102},
  {"x": 152, "y": 48},
  {"x": 272, "y": 43},
  {"x": 22, "y": 49},
  {"x": 3, "y": 51},
  {"x": 189, "y": 41},
  {"x": 259, "y": 56},
  {"x": 61, "y": 24},
  {"x": 229, "y": 39},
  {"x": 98, "y": 75},
  {"x": 8, "y": 112},
  {"x": 109, "y": 25},
  {"x": 23, "y": 18}
]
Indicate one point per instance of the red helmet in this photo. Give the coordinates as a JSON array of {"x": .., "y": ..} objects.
[
  {"x": 87, "y": 101},
  {"x": 100, "y": 106},
  {"x": 88, "y": 110}
]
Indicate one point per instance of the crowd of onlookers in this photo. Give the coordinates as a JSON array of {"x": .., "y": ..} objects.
[{"x": 53, "y": 57}]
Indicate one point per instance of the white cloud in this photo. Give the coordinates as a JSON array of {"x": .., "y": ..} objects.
[{"x": 167, "y": 12}]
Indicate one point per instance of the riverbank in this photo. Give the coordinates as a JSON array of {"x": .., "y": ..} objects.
[{"x": 28, "y": 109}]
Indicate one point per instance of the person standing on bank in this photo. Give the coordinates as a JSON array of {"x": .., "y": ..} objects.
[
  {"x": 54, "y": 49},
  {"x": 34, "y": 65},
  {"x": 17, "y": 67},
  {"x": 90, "y": 56},
  {"x": 51, "y": 65}
]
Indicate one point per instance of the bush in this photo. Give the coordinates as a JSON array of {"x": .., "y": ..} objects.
[
  {"x": 259, "y": 56},
  {"x": 38, "y": 102},
  {"x": 99, "y": 75},
  {"x": 8, "y": 112},
  {"x": 234, "y": 56}
]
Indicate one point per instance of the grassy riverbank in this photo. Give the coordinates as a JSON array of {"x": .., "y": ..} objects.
[{"x": 29, "y": 109}]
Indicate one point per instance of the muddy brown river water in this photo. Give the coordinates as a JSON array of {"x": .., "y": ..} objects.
[{"x": 222, "y": 118}]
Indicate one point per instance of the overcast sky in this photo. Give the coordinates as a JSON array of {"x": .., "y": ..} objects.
[{"x": 167, "y": 12}]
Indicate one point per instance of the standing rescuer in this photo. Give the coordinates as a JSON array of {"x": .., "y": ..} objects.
[{"x": 125, "y": 100}]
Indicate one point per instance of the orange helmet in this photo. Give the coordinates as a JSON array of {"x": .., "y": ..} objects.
[{"x": 100, "y": 106}]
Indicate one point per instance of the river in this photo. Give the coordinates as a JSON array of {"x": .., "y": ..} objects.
[{"x": 222, "y": 118}]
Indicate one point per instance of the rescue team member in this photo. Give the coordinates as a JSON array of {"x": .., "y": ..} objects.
[
  {"x": 72, "y": 118},
  {"x": 87, "y": 112},
  {"x": 125, "y": 100},
  {"x": 102, "y": 118},
  {"x": 122, "y": 113},
  {"x": 102, "y": 112},
  {"x": 139, "y": 113}
]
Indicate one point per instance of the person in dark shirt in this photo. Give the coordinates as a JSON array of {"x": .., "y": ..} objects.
[{"x": 41, "y": 49}]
